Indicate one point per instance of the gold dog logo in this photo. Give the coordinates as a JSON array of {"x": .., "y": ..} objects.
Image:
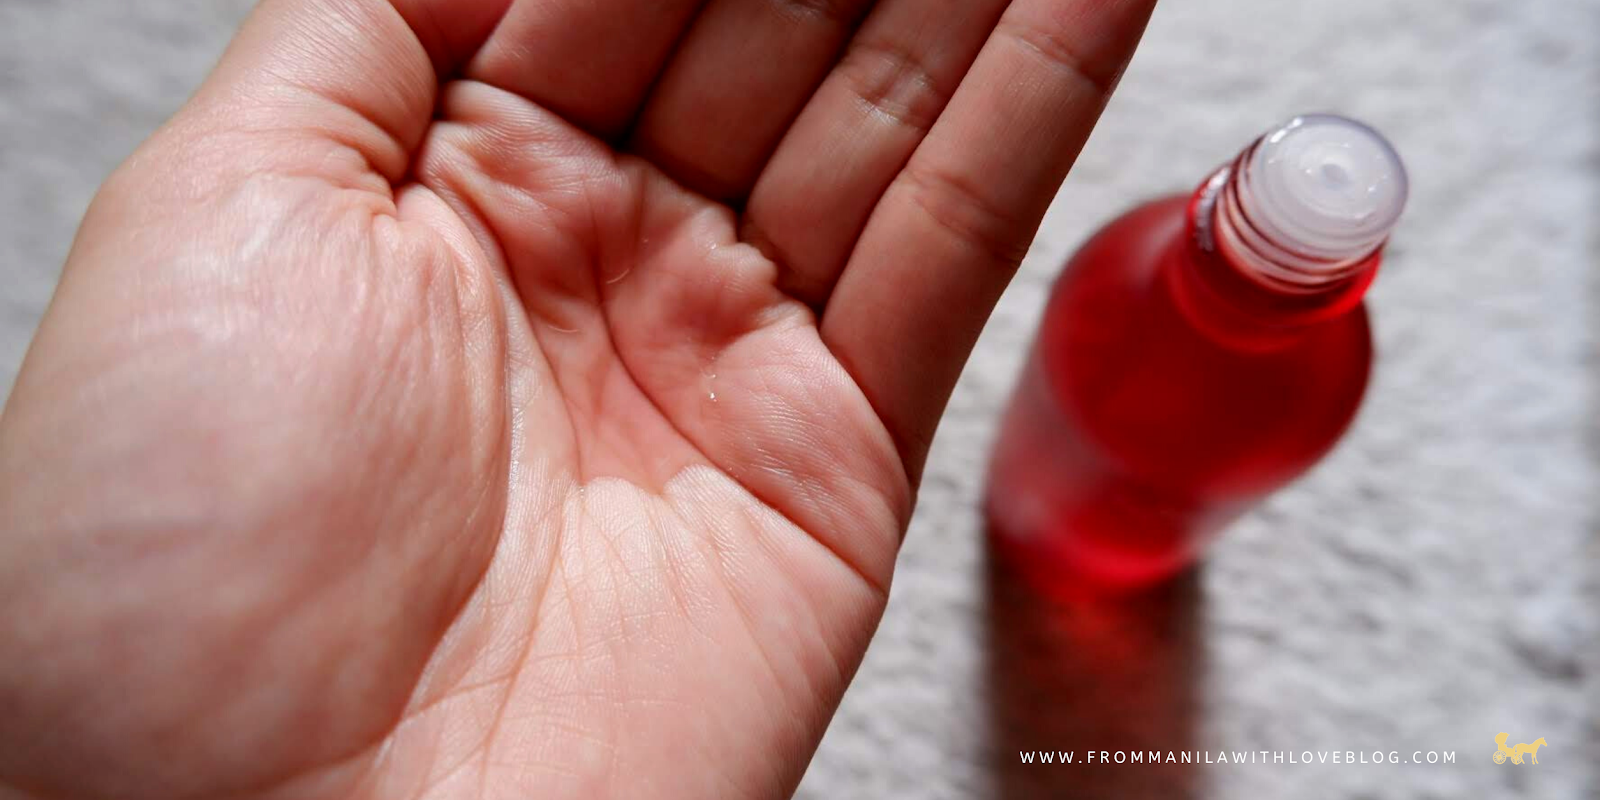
[{"x": 1516, "y": 753}]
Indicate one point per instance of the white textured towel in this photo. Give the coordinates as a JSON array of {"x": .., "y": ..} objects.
[{"x": 1437, "y": 581}]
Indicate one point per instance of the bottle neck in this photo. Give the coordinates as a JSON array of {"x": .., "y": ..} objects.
[{"x": 1250, "y": 285}]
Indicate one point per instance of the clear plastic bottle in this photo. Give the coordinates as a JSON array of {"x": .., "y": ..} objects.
[{"x": 1197, "y": 354}]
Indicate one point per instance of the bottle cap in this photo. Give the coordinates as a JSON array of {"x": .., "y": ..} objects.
[{"x": 1325, "y": 186}]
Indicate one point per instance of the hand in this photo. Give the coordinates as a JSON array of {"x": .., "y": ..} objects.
[{"x": 463, "y": 400}]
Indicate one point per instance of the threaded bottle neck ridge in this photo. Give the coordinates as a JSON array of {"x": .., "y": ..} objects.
[{"x": 1306, "y": 206}]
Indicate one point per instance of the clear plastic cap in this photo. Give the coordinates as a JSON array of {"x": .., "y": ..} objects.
[{"x": 1326, "y": 187}]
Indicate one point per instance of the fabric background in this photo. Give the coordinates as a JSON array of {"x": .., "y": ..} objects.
[{"x": 1436, "y": 581}]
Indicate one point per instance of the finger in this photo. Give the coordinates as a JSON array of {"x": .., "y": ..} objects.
[
  {"x": 744, "y": 71},
  {"x": 589, "y": 61},
  {"x": 358, "y": 76},
  {"x": 863, "y": 123},
  {"x": 452, "y": 32},
  {"x": 952, "y": 228}
]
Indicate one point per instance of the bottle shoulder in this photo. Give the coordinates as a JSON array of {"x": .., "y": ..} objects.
[
  {"x": 1137, "y": 238},
  {"x": 1161, "y": 398}
]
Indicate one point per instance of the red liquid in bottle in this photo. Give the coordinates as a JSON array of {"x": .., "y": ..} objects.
[{"x": 1171, "y": 388}]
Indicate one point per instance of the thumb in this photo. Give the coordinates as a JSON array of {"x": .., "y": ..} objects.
[{"x": 304, "y": 78}]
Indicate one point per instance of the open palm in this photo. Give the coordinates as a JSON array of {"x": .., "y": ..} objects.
[{"x": 493, "y": 398}]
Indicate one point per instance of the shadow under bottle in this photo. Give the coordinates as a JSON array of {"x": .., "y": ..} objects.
[{"x": 1117, "y": 678}]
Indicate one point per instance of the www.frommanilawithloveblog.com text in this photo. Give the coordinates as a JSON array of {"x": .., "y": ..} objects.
[{"x": 1357, "y": 757}]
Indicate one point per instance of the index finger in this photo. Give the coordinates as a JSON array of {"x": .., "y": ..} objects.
[{"x": 951, "y": 230}]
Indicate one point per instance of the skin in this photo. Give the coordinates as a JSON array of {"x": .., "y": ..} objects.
[{"x": 512, "y": 398}]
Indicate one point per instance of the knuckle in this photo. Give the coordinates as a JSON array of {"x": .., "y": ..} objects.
[
  {"x": 1061, "y": 53},
  {"x": 842, "y": 12},
  {"x": 956, "y": 205},
  {"x": 896, "y": 83}
]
